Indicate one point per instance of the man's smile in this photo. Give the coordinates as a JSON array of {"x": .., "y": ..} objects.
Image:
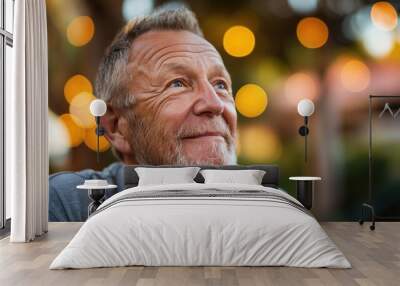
[{"x": 205, "y": 136}]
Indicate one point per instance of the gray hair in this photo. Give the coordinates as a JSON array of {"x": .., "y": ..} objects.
[{"x": 112, "y": 81}]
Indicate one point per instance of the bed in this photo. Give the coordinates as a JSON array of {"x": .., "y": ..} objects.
[{"x": 201, "y": 224}]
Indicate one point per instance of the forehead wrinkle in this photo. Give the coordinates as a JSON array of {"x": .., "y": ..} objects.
[
  {"x": 173, "y": 65},
  {"x": 151, "y": 54},
  {"x": 161, "y": 61}
]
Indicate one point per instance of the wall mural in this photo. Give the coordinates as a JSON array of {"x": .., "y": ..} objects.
[{"x": 270, "y": 55}]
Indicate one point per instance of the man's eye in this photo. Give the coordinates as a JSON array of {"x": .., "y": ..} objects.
[
  {"x": 221, "y": 85},
  {"x": 176, "y": 83}
]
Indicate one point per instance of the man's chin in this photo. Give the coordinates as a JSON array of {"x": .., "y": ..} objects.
[{"x": 207, "y": 151}]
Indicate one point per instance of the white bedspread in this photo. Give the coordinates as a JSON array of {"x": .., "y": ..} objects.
[{"x": 204, "y": 230}]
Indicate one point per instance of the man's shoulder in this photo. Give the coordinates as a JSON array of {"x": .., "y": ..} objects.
[{"x": 67, "y": 179}]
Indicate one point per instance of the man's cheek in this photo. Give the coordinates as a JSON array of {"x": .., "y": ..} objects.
[
  {"x": 175, "y": 112},
  {"x": 231, "y": 116}
]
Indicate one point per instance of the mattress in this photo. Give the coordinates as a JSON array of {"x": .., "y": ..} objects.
[{"x": 201, "y": 225}]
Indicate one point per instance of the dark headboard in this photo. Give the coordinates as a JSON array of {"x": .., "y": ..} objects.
[{"x": 270, "y": 179}]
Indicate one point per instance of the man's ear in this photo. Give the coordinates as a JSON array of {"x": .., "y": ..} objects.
[{"x": 116, "y": 131}]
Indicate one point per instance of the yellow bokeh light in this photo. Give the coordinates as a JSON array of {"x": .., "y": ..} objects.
[
  {"x": 301, "y": 85},
  {"x": 74, "y": 128},
  {"x": 259, "y": 144},
  {"x": 355, "y": 76},
  {"x": 312, "y": 32},
  {"x": 384, "y": 16},
  {"x": 395, "y": 53},
  {"x": 80, "y": 31},
  {"x": 398, "y": 36},
  {"x": 239, "y": 41},
  {"x": 79, "y": 107},
  {"x": 91, "y": 140},
  {"x": 75, "y": 85},
  {"x": 251, "y": 100}
]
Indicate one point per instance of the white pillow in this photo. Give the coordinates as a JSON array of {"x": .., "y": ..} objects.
[
  {"x": 248, "y": 177},
  {"x": 162, "y": 176}
]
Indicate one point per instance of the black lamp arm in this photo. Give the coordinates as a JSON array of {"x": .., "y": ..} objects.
[
  {"x": 303, "y": 131},
  {"x": 99, "y": 132},
  {"x": 99, "y": 129}
]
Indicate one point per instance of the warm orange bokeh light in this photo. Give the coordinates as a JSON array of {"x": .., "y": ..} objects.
[
  {"x": 91, "y": 140},
  {"x": 239, "y": 41},
  {"x": 79, "y": 107},
  {"x": 355, "y": 76},
  {"x": 75, "y": 85},
  {"x": 301, "y": 85},
  {"x": 384, "y": 16},
  {"x": 312, "y": 32},
  {"x": 75, "y": 130},
  {"x": 251, "y": 100},
  {"x": 80, "y": 31}
]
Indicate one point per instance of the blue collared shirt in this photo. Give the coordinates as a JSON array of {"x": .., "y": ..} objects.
[{"x": 67, "y": 203}]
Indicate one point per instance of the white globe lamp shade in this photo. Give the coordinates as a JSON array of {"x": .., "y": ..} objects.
[
  {"x": 305, "y": 107},
  {"x": 98, "y": 107}
]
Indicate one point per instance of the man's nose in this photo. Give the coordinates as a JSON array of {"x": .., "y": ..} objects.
[{"x": 208, "y": 101}]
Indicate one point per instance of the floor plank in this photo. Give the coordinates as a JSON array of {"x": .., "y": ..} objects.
[{"x": 375, "y": 257}]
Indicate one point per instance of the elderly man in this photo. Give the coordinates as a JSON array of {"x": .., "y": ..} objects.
[{"x": 169, "y": 101}]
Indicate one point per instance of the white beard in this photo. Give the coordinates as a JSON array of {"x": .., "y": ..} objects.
[{"x": 171, "y": 153}]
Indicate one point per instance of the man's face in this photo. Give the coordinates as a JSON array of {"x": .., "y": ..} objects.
[{"x": 184, "y": 111}]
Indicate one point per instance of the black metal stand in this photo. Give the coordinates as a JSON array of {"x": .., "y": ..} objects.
[
  {"x": 305, "y": 193},
  {"x": 369, "y": 204},
  {"x": 96, "y": 196},
  {"x": 371, "y": 208}
]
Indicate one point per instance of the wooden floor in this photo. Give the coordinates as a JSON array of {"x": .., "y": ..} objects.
[{"x": 375, "y": 257}]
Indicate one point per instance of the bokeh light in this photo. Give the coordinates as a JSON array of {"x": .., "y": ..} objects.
[
  {"x": 58, "y": 137},
  {"x": 80, "y": 31},
  {"x": 75, "y": 130},
  {"x": 75, "y": 85},
  {"x": 259, "y": 144},
  {"x": 303, "y": 6},
  {"x": 384, "y": 16},
  {"x": 342, "y": 7},
  {"x": 91, "y": 140},
  {"x": 239, "y": 41},
  {"x": 394, "y": 54},
  {"x": 376, "y": 42},
  {"x": 301, "y": 85},
  {"x": 133, "y": 8},
  {"x": 355, "y": 24},
  {"x": 79, "y": 107},
  {"x": 312, "y": 32},
  {"x": 397, "y": 35},
  {"x": 355, "y": 76},
  {"x": 251, "y": 100}
]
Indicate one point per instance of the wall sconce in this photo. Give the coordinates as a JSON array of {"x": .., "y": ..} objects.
[
  {"x": 305, "y": 108},
  {"x": 98, "y": 108}
]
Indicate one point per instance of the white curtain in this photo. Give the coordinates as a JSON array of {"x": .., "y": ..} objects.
[{"x": 26, "y": 124}]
